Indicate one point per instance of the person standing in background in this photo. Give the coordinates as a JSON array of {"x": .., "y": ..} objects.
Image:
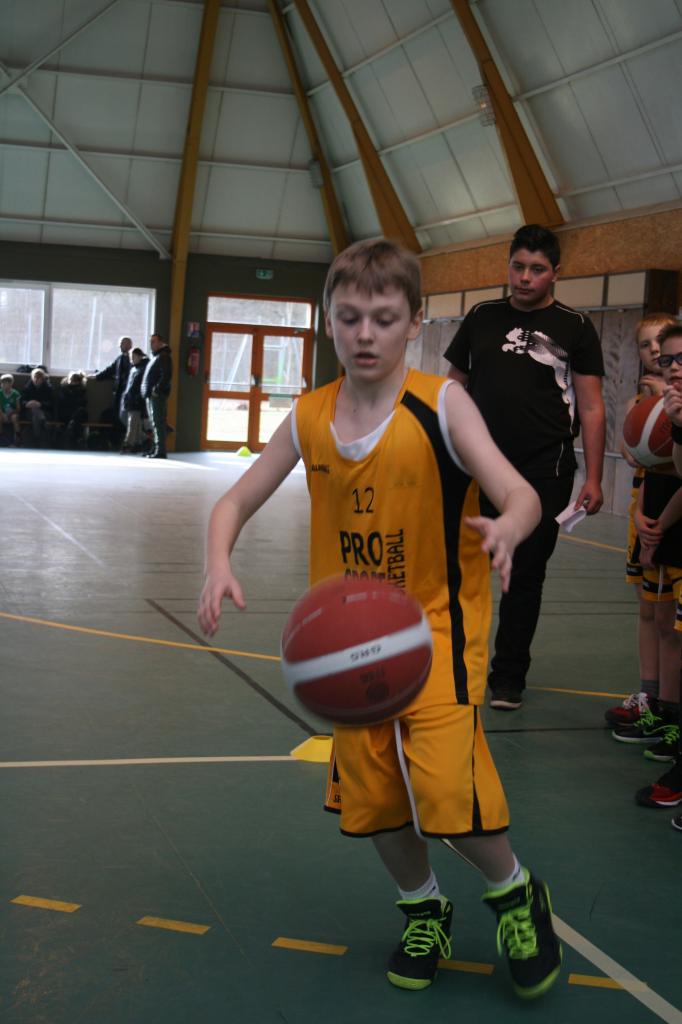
[
  {"x": 533, "y": 367},
  {"x": 155, "y": 389}
]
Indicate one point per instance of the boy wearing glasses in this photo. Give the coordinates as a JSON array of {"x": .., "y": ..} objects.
[{"x": 659, "y": 522}]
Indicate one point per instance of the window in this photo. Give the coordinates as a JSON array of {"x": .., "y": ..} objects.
[
  {"x": 231, "y": 309},
  {"x": 87, "y": 324},
  {"x": 22, "y": 312},
  {"x": 70, "y": 327}
]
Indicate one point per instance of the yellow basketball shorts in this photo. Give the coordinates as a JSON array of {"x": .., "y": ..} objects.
[
  {"x": 447, "y": 780},
  {"x": 664, "y": 583}
]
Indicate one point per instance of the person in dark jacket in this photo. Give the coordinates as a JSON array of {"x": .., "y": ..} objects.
[
  {"x": 155, "y": 389},
  {"x": 134, "y": 404},
  {"x": 73, "y": 408},
  {"x": 118, "y": 371},
  {"x": 37, "y": 403}
]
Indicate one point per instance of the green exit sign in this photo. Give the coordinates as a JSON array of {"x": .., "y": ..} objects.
[{"x": 265, "y": 275}]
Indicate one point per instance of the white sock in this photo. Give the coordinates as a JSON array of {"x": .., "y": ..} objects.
[
  {"x": 515, "y": 878},
  {"x": 428, "y": 891}
]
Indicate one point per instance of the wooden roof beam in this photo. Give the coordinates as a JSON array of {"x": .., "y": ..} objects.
[
  {"x": 394, "y": 221},
  {"x": 536, "y": 199}
]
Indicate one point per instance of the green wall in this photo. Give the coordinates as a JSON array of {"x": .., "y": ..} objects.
[{"x": 25, "y": 261}]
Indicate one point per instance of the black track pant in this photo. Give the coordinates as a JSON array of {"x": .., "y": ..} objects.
[{"x": 520, "y": 606}]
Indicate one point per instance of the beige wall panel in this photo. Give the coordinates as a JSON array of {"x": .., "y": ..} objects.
[
  {"x": 580, "y": 292},
  {"x": 626, "y": 289},
  {"x": 481, "y": 295},
  {"x": 629, "y": 244},
  {"x": 447, "y": 304}
]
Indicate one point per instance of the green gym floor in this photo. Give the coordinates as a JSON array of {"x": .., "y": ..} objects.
[{"x": 163, "y": 858}]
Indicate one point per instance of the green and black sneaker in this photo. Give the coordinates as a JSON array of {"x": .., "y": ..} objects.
[
  {"x": 414, "y": 961},
  {"x": 524, "y": 915}
]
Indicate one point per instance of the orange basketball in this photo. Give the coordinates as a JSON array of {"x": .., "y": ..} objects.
[
  {"x": 647, "y": 432},
  {"x": 356, "y": 651}
]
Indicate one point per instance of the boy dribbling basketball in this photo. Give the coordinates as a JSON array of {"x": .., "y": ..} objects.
[{"x": 392, "y": 452}]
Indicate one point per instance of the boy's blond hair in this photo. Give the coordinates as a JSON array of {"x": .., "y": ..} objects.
[
  {"x": 376, "y": 267},
  {"x": 655, "y": 320}
]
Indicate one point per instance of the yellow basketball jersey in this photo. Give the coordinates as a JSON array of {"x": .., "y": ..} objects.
[{"x": 397, "y": 514}]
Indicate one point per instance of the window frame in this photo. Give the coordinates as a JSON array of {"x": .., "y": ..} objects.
[{"x": 48, "y": 288}]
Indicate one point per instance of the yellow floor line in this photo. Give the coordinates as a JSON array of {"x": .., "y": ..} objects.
[
  {"x": 174, "y": 926},
  {"x": 37, "y": 901},
  {"x": 593, "y": 981},
  {"x": 580, "y": 693},
  {"x": 592, "y": 544},
  {"x": 465, "y": 965},
  {"x": 137, "y": 639},
  {"x": 309, "y": 947}
]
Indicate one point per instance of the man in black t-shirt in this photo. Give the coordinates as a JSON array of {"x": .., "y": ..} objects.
[{"x": 534, "y": 367}]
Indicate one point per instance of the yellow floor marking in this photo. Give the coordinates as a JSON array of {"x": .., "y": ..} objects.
[
  {"x": 309, "y": 947},
  {"x": 580, "y": 693},
  {"x": 174, "y": 926},
  {"x": 37, "y": 901},
  {"x": 594, "y": 981},
  {"x": 466, "y": 965},
  {"x": 592, "y": 544},
  {"x": 137, "y": 639},
  {"x": 125, "y": 761}
]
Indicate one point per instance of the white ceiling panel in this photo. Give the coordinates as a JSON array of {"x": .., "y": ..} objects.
[
  {"x": 72, "y": 235},
  {"x": 480, "y": 159},
  {"x": 244, "y": 201},
  {"x": 247, "y": 53},
  {"x": 72, "y": 194},
  {"x": 392, "y": 99},
  {"x": 115, "y": 42},
  {"x": 301, "y": 213},
  {"x": 633, "y": 23},
  {"x": 19, "y": 122},
  {"x": 445, "y": 69},
  {"x": 431, "y": 179},
  {"x": 573, "y": 154},
  {"x": 256, "y": 129},
  {"x": 161, "y": 124},
  {"x": 615, "y": 121},
  {"x": 333, "y": 128},
  {"x": 233, "y": 247},
  {"x": 522, "y": 41},
  {"x": 351, "y": 188},
  {"x": 307, "y": 253},
  {"x": 655, "y": 77},
  {"x": 504, "y": 222},
  {"x": 22, "y": 181},
  {"x": 577, "y": 34},
  {"x": 172, "y": 40},
  {"x": 11, "y": 231},
  {"x": 355, "y": 28},
  {"x": 593, "y": 204},
  {"x": 649, "y": 192},
  {"x": 151, "y": 191},
  {"x": 308, "y": 63},
  {"x": 97, "y": 112}
]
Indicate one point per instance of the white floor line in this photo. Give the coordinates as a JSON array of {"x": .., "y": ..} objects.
[
  {"x": 636, "y": 988},
  {"x": 64, "y": 533},
  {"x": 121, "y": 762}
]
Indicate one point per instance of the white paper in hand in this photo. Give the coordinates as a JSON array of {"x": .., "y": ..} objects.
[{"x": 570, "y": 517}]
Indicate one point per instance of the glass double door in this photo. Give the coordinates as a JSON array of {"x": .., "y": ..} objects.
[{"x": 253, "y": 376}]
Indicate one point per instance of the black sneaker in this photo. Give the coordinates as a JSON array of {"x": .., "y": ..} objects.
[
  {"x": 677, "y": 822},
  {"x": 665, "y": 792},
  {"x": 506, "y": 698},
  {"x": 414, "y": 961},
  {"x": 666, "y": 748},
  {"x": 648, "y": 728},
  {"x": 524, "y": 915}
]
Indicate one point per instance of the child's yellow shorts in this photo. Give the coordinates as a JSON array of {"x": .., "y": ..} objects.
[
  {"x": 664, "y": 583},
  {"x": 451, "y": 777}
]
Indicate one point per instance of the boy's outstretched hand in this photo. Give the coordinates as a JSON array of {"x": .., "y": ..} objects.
[
  {"x": 497, "y": 543},
  {"x": 218, "y": 585}
]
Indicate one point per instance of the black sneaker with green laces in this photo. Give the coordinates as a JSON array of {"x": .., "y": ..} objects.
[
  {"x": 525, "y": 932},
  {"x": 414, "y": 961}
]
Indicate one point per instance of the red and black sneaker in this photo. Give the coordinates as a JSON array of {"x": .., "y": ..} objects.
[
  {"x": 632, "y": 708},
  {"x": 666, "y": 792}
]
